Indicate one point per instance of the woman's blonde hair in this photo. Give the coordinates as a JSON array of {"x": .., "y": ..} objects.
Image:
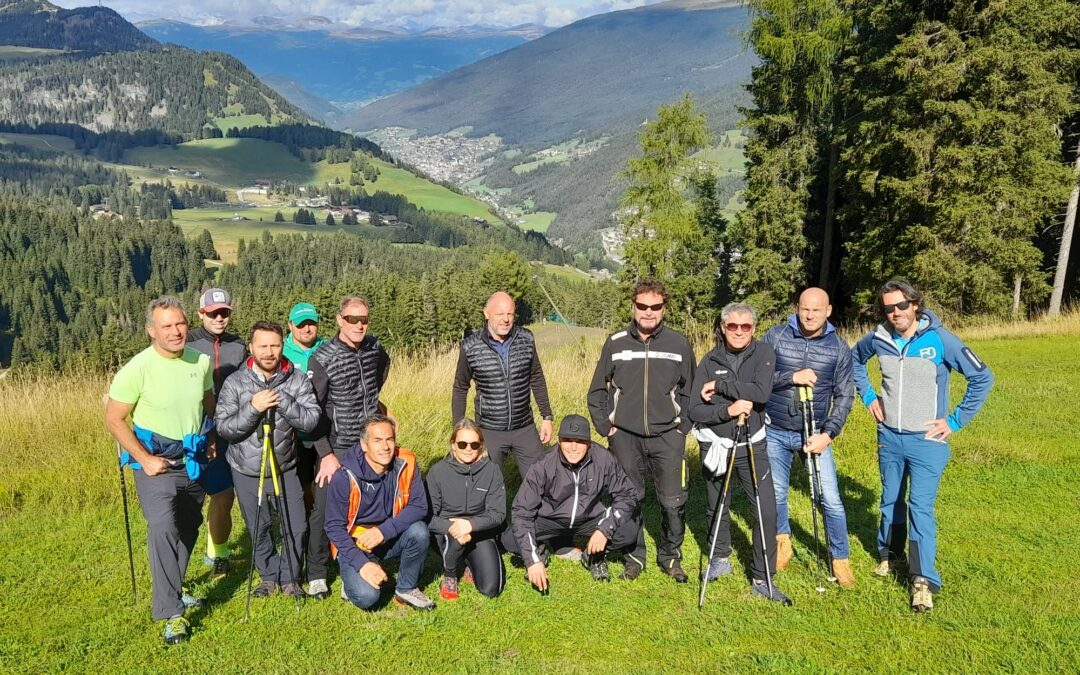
[{"x": 466, "y": 423}]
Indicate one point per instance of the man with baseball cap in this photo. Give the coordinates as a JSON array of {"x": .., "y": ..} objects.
[
  {"x": 562, "y": 496},
  {"x": 227, "y": 353}
]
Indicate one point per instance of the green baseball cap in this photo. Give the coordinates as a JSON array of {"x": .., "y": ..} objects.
[{"x": 301, "y": 312}]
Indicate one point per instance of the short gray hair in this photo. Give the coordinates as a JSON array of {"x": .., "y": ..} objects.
[
  {"x": 738, "y": 308},
  {"x": 353, "y": 300},
  {"x": 164, "y": 302}
]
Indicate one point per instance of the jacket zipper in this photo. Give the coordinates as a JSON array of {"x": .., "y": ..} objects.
[
  {"x": 573, "y": 512},
  {"x": 645, "y": 392},
  {"x": 363, "y": 381}
]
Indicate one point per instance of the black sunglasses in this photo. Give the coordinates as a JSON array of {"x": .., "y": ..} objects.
[
  {"x": 350, "y": 319},
  {"x": 226, "y": 313},
  {"x": 643, "y": 307},
  {"x": 473, "y": 445},
  {"x": 902, "y": 306}
]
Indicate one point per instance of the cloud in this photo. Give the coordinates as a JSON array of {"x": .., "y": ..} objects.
[{"x": 402, "y": 14}]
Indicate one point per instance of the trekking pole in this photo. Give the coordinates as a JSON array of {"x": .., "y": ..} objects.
[
  {"x": 258, "y": 515},
  {"x": 757, "y": 500},
  {"x": 806, "y": 402},
  {"x": 718, "y": 514},
  {"x": 816, "y": 466},
  {"x": 127, "y": 521},
  {"x": 283, "y": 514}
]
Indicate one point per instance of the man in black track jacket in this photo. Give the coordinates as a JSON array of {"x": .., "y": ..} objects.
[
  {"x": 501, "y": 358},
  {"x": 638, "y": 399},
  {"x": 563, "y": 496}
]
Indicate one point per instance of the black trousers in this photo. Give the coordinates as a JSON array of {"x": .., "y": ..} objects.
[
  {"x": 546, "y": 529},
  {"x": 663, "y": 456},
  {"x": 767, "y": 495},
  {"x": 524, "y": 443},
  {"x": 318, "y": 545},
  {"x": 482, "y": 556},
  {"x": 274, "y": 564}
]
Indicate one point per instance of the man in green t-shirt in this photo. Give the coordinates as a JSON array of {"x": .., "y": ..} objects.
[{"x": 168, "y": 389}]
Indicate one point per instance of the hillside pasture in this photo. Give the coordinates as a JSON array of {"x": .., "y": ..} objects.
[
  {"x": 232, "y": 162},
  {"x": 39, "y": 141}
]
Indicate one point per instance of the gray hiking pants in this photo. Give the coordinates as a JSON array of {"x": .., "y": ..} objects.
[
  {"x": 172, "y": 506},
  {"x": 281, "y": 566}
]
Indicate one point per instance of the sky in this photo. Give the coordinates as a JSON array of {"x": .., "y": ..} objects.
[{"x": 401, "y": 14}]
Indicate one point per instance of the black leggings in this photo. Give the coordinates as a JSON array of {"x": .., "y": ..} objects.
[{"x": 482, "y": 557}]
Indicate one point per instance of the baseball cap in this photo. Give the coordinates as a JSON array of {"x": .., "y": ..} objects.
[
  {"x": 575, "y": 427},
  {"x": 215, "y": 298},
  {"x": 303, "y": 311}
]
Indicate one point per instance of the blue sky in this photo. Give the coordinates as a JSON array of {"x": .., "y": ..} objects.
[{"x": 371, "y": 13}]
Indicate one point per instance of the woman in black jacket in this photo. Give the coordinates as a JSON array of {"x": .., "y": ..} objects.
[{"x": 468, "y": 506}]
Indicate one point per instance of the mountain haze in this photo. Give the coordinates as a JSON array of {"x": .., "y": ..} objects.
[{"x": 40, "y": 24}]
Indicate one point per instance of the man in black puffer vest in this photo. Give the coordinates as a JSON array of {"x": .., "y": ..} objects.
[
  {"x": 501, "y": 358},
  {"x": 348, "y": 373}
]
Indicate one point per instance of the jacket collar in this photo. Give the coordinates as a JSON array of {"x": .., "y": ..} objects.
[
  {"x": 793, "y": 323},
  {"x": 284, "y": 368},
  {"x": 637, "y": 334}
]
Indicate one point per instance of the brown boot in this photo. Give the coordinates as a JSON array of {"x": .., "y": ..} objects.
[
  {"x": 841, "y": 569},
  {"x": 783, "y": 551}
]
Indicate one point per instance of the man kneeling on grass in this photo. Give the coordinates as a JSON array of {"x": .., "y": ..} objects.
[
  {"x": 375, "y": 509},
  {"x": 561, "y": 497}
]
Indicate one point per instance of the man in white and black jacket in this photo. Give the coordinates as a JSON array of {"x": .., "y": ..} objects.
[
  {"x": 638, "y": 398},
  {"x": 563, "y": 496},
  {"x": 268, "y": 386}
]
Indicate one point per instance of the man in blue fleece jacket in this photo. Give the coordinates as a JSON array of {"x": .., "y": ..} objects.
[
  {"x": 375, "y": 509},
  {"x": 916, "y": 355}
]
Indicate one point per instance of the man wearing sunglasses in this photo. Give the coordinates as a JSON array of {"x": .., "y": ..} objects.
[
  {"x": 916, "y": 355},
  {"x": 810, "y": 353},
  {"x": 501, "y": 358},
  {"x": 227, "y": 354},
  {"x": 348, "y": 373},
  {"x": 638, "y": 399}
]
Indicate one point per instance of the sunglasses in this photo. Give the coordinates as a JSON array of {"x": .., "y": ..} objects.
[
  {"x": 353, "y": 320},
  {"x": 219, "y": 313},
  {"x": 739, "y": 327},
  {"x": 643, "y": 307},
  {"x": 902, "y": 306},
  {"x": 472, "y": 445}
]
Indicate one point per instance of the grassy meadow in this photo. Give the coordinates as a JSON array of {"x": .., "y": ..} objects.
[{"x": 1007, "y": 548}]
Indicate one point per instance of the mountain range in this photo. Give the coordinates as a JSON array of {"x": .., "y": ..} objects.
[{"x": 41, "y": 24}]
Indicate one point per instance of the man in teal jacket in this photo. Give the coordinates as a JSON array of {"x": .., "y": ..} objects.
[{"x": 916, "y": 355}]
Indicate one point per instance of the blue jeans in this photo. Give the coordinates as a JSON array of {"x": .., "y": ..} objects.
[
  {"x": 910, "y": 460},
  {"x": 783, "y": 445},
  {"x": 411, "y": 547}
]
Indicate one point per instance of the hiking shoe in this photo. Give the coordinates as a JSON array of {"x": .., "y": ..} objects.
[
  {"x": 597, "y": 566},
  {"x": 883, "y": 568},
  {"x": 467, "y": 577},
  {"x": 448, "y": 589},
  {"x": 841, "y": 571},
  {"x": 631, "y": 571},
  {"x": 293, "y": 590},
  {"x": 318, "y": 589},
  {"x": 415, "y": 599},
  {"x": 190, "y": 601},
  {"x": 717, "y": 568},
  {"x": 784, "y": 552},
  {"x": 762, "y": 589},
  {"x": 922, "y": 600},
  {"x": 674, "y": 570},
  {"x": 219, "y": 567},
  {"x": 571, "y": 553},
  {"x": 265, "y": 589},
  {"x": 177, "y": 630}
]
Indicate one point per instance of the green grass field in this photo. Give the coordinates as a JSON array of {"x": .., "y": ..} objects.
[
  {"x": 1007, "y": 551},
  {"x": 539, "y": 221},
  {"x": 15, "y": 53},
  {"x": 227, "y": 232},
  {"x": 234, "y": 162}
]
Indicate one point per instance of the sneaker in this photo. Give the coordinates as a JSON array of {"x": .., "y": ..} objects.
[
  {"x": 597, "y": 566},
  {"x": 571, "y": 553},
  {"x": 922, "y": 600},
  {"x": 177, "y": 630},
  {"x": 344, "y": 596},
  {"x": 293, "y": 590},
  {"x": 631, "y": 571},
  {"x": 318, "y": 589},
  {"x": 415, "y": 599},
  {"x": 674, "y": 570},
  {"x": 448, "y": 589},
  {"x": 717, "y": 568},
  {"x": 220, "y": 567},
  {"x": 467, "y": 577},
  {"x": 784, "y": 552},
  {"x": 883, "y": 569},
  {"x": 265, "y": 589},
  {"x": 762, "y": 589},
  {"x": 190, "y": 601},
  {"x": 841, "y": 571}
]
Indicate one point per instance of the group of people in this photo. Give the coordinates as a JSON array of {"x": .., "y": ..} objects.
[{"x": 294, "y": 423}]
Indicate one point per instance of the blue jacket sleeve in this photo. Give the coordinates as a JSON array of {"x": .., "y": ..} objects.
[
  {"x": 843, "y": 390},
  {"x": 782, "y": 379},
  {"x": 864, "y": 350},
  {"x": 337, "y": 513},
  {"x": 416, "y": 510},
  {"x": 959, "y": 357}
]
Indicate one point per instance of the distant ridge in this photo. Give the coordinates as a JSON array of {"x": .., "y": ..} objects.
[{"x": 41, "y": 24}]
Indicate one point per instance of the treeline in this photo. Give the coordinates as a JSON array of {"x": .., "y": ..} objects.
[
  {"x": 157, "y": 200},
  {"x": 91, "y": 29},
  {"x": 302, "y": 139}
]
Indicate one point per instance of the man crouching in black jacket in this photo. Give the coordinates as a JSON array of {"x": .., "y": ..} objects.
[{"x": 561, "y": 496}]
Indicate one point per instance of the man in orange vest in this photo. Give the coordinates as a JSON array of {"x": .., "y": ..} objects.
[{"x": 375, "y": 509}]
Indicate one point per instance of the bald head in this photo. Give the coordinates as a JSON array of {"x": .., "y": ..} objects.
[
  {"x": 813, "y": 311},
  {"x": 499, "y": 312}
]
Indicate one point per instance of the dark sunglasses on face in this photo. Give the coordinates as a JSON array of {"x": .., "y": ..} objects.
[
  {"x": 902, "y": 306},
  {"x": 472, "y": 445},
  {"x": 643, "y": 307},
  {"x": 353, "y": 320},
  {"x": 220, "y": 313},
  {"x": 739, "y": 327}
]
